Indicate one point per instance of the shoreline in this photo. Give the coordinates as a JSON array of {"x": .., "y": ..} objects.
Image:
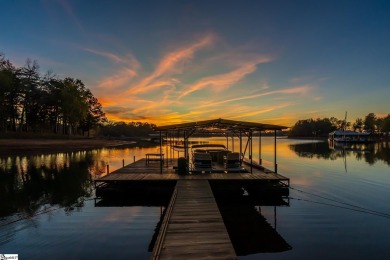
[{"x": 9, "y": 147}]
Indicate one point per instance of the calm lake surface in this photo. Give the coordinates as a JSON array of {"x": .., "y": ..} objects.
[{"x": 338, "y": 207}]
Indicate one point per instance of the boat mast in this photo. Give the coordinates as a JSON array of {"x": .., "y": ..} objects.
[{"x": 345, "y": 123}]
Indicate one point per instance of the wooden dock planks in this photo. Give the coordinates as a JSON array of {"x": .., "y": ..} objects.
[
  {"x": 139, "y": 171},
  {"x": 194, "y": 228}
]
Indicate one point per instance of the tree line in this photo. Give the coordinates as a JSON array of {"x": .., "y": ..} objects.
[
  {"x": 132, "y": 129},
  {"x": 321, "y": 127},
  {"x": 30, "y": 102}
]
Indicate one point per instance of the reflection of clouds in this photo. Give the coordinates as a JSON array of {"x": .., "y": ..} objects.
[{"x": 120, "y": 215}]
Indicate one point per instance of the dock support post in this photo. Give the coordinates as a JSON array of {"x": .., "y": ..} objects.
[
  {"x": 240, "y": 148},
  {"x": 251, "y": 150},
  {"x": 161, "y": 160},
  {"x": 123, "y": 162},
  {"x": 227, "y": 140},
  {"x": 260, "y": 160},
  {"x": 166, "y": 149},
  {"x": 108, "y": 168},
  {"x": 276, "y": 166}
]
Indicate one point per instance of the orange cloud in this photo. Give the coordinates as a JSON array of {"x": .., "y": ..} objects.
[
  {"x": 118, "y": 79},
  {"x": 220, "y": 82},
  {"x": 295, "y": 90},
  {"x": 172, "y": 63}
]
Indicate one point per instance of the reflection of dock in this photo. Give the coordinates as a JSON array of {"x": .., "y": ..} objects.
[{"x": 193, "y": 227}]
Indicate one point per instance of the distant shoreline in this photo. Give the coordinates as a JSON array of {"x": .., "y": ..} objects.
[
  {"x": 308, "y": 138},
  {"x": 46, "y": 146}
]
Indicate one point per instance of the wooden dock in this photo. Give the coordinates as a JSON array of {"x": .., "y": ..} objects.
[
  {"x": 193, "y": 227},
  {"x": 142, "y": 171}
]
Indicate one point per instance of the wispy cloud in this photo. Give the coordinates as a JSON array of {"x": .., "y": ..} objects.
[
  {"x": 171, "y": 63},
  {"x": 294, "y": 90},
  {"x": 127, "y": 59},
  {"x": 69, "y": 10},
  {"x": 223, "y": 81},
  {"x": 118, "y": 79}
]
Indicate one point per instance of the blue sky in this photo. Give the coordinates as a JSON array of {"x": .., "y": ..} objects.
[{"x": 176, "y": 61}]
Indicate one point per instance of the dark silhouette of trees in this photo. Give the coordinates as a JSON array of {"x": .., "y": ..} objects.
[
  {"x": 95, "y": 115},
  {"x": 370, "y": 122},
  {"x": 73, "y": 104},
  {"x": 314, "y": 128},
  {"x": 30, "y": 102},
  {"x": 378, "y": 125},
  {"x": 385, "y": 127},
  {"x": 358, "y": 125},
  {"x": 133, "y": 129}
]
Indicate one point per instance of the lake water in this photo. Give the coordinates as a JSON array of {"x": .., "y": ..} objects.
[{"x": 338, "y": 206}]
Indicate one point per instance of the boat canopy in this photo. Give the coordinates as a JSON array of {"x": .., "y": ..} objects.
[
  {"x": 347, "y": 133},
  {"x": 197, "y": 146},
  {"x": 222, "y": 124}
]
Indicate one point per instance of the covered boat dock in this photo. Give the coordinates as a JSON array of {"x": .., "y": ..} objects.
[{"x": 192, "y": 225}]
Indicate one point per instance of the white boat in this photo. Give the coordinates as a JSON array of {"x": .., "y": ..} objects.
[{"x": 349, "y": 137}]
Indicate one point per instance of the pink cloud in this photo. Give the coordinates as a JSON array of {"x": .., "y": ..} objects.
[
  {"x": 294, "y": 90},
  {"x": 223, "y": 81},
  {"x": 172, "y": 62}
]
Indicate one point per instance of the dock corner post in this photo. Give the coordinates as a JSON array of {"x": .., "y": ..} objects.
[
  {"x": 276, "y": 166},
  {"x": 260, "y": 160},
  {"x": 108, "y": 168},
  {"x": 166, "y": 148},
  {"x": 161, "y": 159},
  {"x": 251, "y": 149},
  {"x": 123, "y": 162},
  {"x": 241, "y": 148},
  {"x": 227, "y": 140}
]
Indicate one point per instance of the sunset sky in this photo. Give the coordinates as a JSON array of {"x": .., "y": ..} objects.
[{"x": 176, "y": 61}]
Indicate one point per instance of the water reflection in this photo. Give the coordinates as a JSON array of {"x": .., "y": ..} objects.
[
  {"x": 249, "y": 230},
  {"x": 28, "y": 183},
  {"x": 370, "y": 153},
  {"x": 145, "y": 195}
]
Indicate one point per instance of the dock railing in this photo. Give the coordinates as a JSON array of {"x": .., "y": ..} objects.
[{"x": 163, "y": 228}]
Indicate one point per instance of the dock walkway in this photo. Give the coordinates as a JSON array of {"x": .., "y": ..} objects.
[{"x": 193, "y": 227}]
